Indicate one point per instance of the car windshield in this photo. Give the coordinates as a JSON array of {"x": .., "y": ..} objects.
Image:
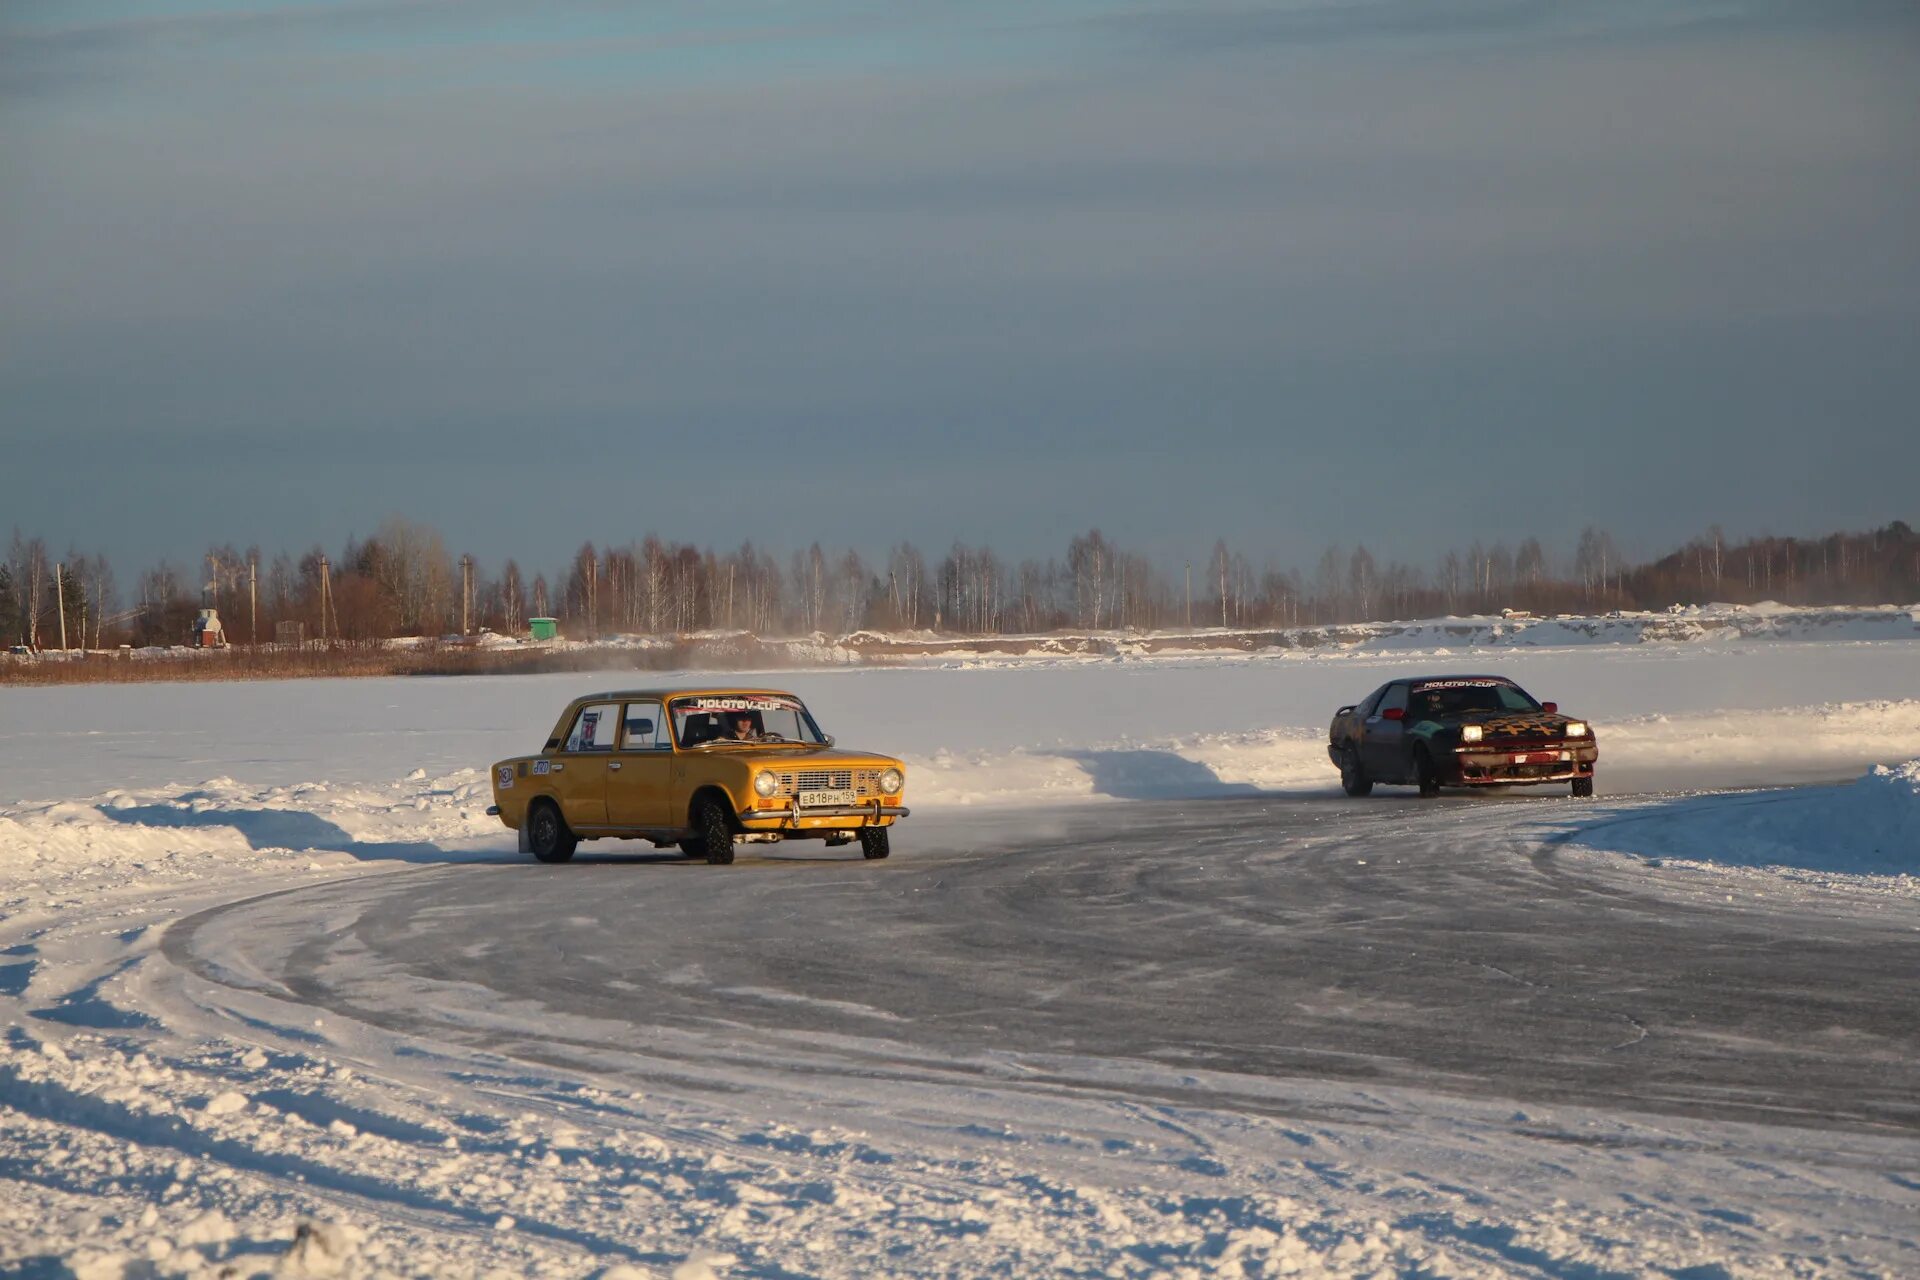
[
  {"x": 1445, "y": 698},
  {"x": 720, "y": 719}
]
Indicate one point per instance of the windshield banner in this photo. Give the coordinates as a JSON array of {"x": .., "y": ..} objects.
[
  {"x": 1459, "y": 684},
  {"x": 736, "y": 703}
]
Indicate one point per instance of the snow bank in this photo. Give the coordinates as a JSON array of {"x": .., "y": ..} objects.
[
  {"x": 59, "y": 743},
  {"x": 1680, "y": 625},
  {"x": 1868, "y": 827}
]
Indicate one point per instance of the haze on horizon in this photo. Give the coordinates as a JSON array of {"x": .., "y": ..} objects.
[{"x": 1403, "y": 273}]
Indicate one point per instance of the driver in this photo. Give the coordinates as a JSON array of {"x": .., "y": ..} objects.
[{"x": 740, "y": 727}]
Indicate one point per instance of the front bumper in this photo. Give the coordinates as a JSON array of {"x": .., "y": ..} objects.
[
  {"x": 1519, "y": 765},
  {"x": 796, "y": 818}
]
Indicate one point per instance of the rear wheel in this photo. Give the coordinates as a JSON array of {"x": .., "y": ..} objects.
[
  {"x": 716, "y": 834},
  {"x": 1425, "y": 774},
  {"x": 547, "y": 833},
  {"x": 1583, "y": 787},
  {"x": 874, "y": 844},
  {"x": 1353, "y": 778}
]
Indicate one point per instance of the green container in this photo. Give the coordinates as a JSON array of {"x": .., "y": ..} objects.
[{"x": 544, "y": 628}]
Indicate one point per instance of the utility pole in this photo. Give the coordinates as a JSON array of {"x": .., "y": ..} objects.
[
  {"x": 60, "y": 601},
  {"x": 326, "y": 597},
  {"x": 730, "y": 597},
  {"x": 253, "y": 601},
  {"x": 466, "y": 593},
  {"x": 1189, "y": 595}
]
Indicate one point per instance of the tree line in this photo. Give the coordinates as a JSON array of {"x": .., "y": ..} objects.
[{"x": 403, "y": 581}]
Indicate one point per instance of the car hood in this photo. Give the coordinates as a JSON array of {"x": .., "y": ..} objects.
[
  {"x": 770, "y": 757},
  {"x": 1515, "y": 724}
]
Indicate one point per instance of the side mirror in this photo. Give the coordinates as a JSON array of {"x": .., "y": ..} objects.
[
  {"x": 1549, "y": 707},
  {"x": 829, "y": 738},
  {"x": 1394, "y": 713}
]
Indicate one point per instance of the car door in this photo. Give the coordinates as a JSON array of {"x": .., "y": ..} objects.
[
  {"x": 580, "y": 767},
  {"x": 640, "y": 775},
  {"x": 1384, "y": 744}
]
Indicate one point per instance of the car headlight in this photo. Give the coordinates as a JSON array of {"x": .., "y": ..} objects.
[
  {"x": 765, "y": 784},
  {"x": 891, "y": 781},
  {"x": 1472, "y": 733},
  {"x": 1576, "y": 729}
]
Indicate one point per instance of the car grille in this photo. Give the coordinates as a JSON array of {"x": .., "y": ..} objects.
[{"x": 863, "y": 782}]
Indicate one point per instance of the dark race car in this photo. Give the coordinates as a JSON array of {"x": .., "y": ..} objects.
[{"x": 1458, "y": 731}]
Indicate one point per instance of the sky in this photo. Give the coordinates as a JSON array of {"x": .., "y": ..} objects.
[{"x": 1403, "y": 272}]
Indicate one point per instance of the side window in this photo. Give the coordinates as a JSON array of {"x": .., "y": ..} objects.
[
  {"x": 594, "y": 727},
  {"x": 1373, "y": 700},
  {"x": 1396, "y": 696},
  {"x": 644, "y": 728}
]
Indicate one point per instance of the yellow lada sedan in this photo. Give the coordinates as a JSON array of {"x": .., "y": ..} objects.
[{"x": 697, "y": 768}]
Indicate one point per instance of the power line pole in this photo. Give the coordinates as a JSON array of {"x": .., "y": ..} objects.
[
  {"x": 1189, "y": 595},
  {"x": 60, "y": 601},
  {"x": 326, "y": 597},
  {"x": 253, "y": 601},
  {"x": 466, "y": 593}
]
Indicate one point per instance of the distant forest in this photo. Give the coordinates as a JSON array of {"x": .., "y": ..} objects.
[{"x": 403, "y": 581}]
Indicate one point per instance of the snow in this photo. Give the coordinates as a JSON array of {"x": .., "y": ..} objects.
[
  {"x": 197, "y": 1081},
  {"x": 1870, "y": 827}
]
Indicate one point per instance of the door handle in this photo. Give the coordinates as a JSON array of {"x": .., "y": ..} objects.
[
  {"x": 559, "y": 768},
  {"x": 614, "y": 765}
]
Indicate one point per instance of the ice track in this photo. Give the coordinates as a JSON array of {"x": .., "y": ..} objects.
[
  {"x": 1386, "y": 942},
  {"x": 1260, "y": 1037}
]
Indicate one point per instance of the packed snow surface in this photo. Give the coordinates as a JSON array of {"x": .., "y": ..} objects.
[{"x": 1138, "y": 994}]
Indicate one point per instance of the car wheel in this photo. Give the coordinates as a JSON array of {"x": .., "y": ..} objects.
[
  {"x": 694, "y": 848},
  {"x": 1353, "y": 778},
  {"x": 1583, "y": 787},
  {"x": 1425, "y": 774},
  {"x": 874, "y": 843},
  {"x": 716, "y": 834},
  {"x": 547, "y": 833}
]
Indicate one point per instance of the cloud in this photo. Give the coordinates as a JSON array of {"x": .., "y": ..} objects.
[{"x": 1291, "y": 253}]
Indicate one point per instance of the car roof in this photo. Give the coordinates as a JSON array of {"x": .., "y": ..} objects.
[{"x": 703, "y": 691}]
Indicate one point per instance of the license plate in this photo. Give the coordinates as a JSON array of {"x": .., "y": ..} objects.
[
  {"x": 1534, "y": 757},
  {"x": 827, "y": 799}
]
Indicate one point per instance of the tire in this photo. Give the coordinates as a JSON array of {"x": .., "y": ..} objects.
[
  {"x": 1354, "y": 780},
  {"x": 716, "y": 834},
  {"x": 874, "y": 843},
  {"x": 1425, "y": 774},
  {"x": 694, "y": 848},
  {"x": 1583, "y": 788},
  {"x": 547, "y": 833}
]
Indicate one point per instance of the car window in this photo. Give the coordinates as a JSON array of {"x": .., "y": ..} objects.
[
  {"x": 1396, "y": 696},
  {"x": 1446, "y": 698},
  {"x": 593, "y": 728},
  {"x": 746, "y": 717},
  {"x": 1372, "y": 701},
  {"x": 644, "y": 728}
]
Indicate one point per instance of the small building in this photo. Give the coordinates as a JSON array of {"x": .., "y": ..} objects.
[
  {"x": 207, "y": 631},
  {"x": 544, "y": 628}
]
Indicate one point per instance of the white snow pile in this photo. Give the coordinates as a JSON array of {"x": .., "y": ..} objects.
[
  {"x": 1870, "y": 827},
  {"x": 158, "y": 836}
]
